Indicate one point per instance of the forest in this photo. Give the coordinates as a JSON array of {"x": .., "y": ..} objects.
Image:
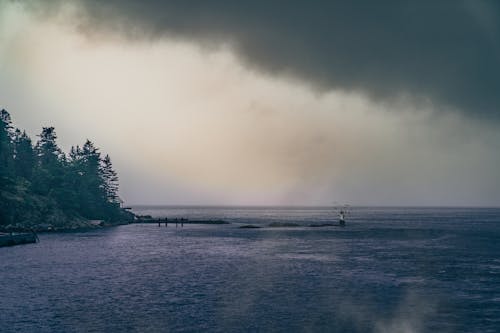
[{"x": 44, "y": 188}]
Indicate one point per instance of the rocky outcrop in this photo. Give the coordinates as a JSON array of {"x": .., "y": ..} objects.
[
  {"x": 283, "y": 224},
  {"x": 10, "y": 239},
  {"x": 57, "y": 220}
]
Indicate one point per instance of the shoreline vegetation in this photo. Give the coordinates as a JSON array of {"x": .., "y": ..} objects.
[{"x": 44, "y": 189}]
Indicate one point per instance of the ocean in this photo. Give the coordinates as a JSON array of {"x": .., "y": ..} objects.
[{"x": 388, "y": 270}]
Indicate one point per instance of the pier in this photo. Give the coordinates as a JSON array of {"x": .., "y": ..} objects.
[{"x": 176, "y": 221}]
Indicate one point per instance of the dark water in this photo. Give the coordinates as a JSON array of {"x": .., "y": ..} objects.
[{"x": 389, "y": 270}]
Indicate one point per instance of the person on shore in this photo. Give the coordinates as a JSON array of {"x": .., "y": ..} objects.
[{"x": 166, "y": 222}]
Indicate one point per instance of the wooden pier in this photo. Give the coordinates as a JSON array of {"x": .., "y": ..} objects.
[{"x": 178, "y": 221}]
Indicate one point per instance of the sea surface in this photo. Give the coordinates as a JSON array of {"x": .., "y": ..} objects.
[{"x": 388, "y": 270}]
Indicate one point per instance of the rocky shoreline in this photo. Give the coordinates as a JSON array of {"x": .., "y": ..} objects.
[
  {"x": 11, "y": 239},
  {"x": 77, "y": 225},
  {"x": 65, "y": 223}
]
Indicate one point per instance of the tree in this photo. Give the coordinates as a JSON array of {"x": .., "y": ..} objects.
[
  {"x": 6, "y": 122},
  {"x": 92, "y": 190},
  {"x": 24, "y": 155},
  {"x": 6, "y": 147},
  {"x": 49, "y": 154},
  {"x": 6, "y": 167},
  {"x": 110, "y": 180},
  {"x": 50, "y": 162}
]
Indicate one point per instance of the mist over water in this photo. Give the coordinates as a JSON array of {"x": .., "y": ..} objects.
[{"x": 389, "y": 270}]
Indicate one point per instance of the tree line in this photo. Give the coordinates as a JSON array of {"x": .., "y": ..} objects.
[{"x": 39, "y": 183}]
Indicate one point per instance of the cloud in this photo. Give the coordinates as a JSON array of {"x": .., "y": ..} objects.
[
  {"x": 184, "y": 124},
  {"x": 445, "y": 52}
]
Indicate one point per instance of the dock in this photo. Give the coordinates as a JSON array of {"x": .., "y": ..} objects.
[{"x": 162, "y": 221}]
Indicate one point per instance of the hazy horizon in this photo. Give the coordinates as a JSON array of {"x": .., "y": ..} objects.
[{"x": 339, "y": 206}]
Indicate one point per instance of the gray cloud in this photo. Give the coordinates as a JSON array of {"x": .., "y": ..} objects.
[
  {"x": 445, "y": 52},
  {"x": 261, "y": 138}
]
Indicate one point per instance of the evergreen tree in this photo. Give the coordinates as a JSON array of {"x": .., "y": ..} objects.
[
  {"x": 6, "y": 168},
  {"x": 49, "y": 154},
  {"x": 92, "y": 191},
  {"x": 24, "y": 155},
  {"x": 6, "y": 149},
  {"x": 75, "y": 179},
  {"x": 7, "y": 123},
  {"x": 110, "y": 180},
  {"x": 49, "y": 173}
]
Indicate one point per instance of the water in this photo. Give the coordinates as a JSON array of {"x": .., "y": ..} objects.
[{"x": 389, "y": 270}]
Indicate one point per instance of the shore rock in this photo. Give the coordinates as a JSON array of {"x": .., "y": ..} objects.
[{"x": 283, "y": 224}]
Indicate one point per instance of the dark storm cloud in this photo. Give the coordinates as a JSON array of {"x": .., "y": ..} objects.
[{"x": 446, "y": 51}]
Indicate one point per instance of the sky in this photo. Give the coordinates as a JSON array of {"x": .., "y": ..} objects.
[{"x": 267, "y": 102}]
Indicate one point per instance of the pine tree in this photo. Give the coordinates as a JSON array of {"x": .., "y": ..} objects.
[
  {"x": 6, "y": 149},
  {"x": 49, "y": 154},
  {"x": 24, "y": 155},
  {"x": 50, "y": 162},
  {"x": 7, "y": 123},
  {"x": 93, "y": 194},
  {"x": 6, "y": 168},
  {"x": 110, "y": 180}
]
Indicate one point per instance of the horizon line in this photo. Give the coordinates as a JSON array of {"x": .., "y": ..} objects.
[{"x": 303, "y": 206}]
